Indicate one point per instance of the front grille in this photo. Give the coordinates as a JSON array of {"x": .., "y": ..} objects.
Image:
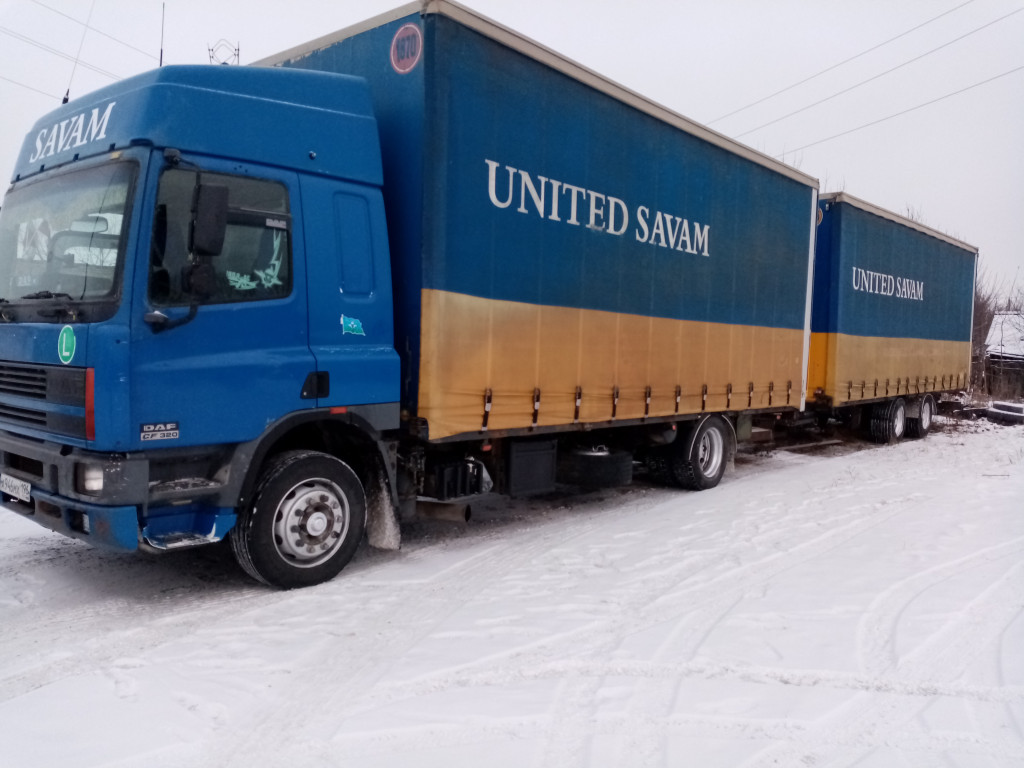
[
  {"x": 23, "y": 380},
  {"x": 22, "y": 415},
  {"x": 52, "y": 387}
]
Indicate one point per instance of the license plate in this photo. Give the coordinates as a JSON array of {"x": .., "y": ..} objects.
[{"x": 12, "y": 486}]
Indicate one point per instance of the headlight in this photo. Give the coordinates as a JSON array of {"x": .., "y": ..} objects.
[{"x": 89, "y": 479}]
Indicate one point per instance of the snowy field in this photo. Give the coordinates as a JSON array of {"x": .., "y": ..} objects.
[{"x": 852, "y": 606}]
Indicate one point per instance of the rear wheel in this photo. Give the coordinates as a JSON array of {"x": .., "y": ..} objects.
[
  {"x": 889, "y": 421},
  {"x": 920, "y": 425},
  {"x": 697, "y": 461},
  {"x": 306, "y": 519}
]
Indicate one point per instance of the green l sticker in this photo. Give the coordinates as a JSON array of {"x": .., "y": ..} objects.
[{"x": 66, "y": 344}]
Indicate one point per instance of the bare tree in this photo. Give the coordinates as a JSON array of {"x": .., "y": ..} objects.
[{"x": 986, "y": 301}]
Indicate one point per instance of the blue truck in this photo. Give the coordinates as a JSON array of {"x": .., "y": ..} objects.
[{"x": 415, "y": 261}]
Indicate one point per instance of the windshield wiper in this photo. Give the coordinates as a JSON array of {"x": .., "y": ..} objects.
[
  {"x": 61, "y": 310},
  {"x": 47, "y": 295}
]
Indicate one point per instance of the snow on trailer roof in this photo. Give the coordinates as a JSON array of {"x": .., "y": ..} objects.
[
  {"x": 864, "y": 205},
  {"x": 518, "y": 42}
]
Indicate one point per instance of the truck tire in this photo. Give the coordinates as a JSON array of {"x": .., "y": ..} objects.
[
  {"x": 889, "y": 421},
  {"x": 919, "y": 426},
  {"x": 596, "y": 468},
  {"x": 306, "y": 519},
  {"x": 697, "y": 462},
  {"x": 1005, "y": 413}
]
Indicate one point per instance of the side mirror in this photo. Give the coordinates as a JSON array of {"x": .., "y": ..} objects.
[
  {"x": 211, "y": 220},
  {"x": 200, "y": 280}
]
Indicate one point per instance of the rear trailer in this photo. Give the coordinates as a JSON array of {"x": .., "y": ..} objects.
[
  {"x": 892, "y": 317},
  {"x": 568, "y": 255}
]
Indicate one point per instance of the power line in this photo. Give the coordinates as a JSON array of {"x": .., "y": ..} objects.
[
  {"x": 55, "y": 52},
  {"x": 876, "y": 77},
  {"x": 29, "y": 87},
  {"x": 836, "y": 66},
  {"x": 904, "y": 112},
  {"x": 99, "y": 32},
  {"x": 78, "y": 56}
]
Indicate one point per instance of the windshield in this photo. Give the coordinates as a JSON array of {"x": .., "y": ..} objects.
[{"x": 63, "y": 238}]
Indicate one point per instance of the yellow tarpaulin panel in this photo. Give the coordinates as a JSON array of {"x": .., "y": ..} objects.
[
  {"x": 533, "y": 359},
  {"x": 846, "y": 368}
]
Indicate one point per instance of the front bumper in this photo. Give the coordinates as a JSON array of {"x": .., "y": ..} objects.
[
  {"x": 143, "y": 502},
  {"x": 102, "y": 526}
]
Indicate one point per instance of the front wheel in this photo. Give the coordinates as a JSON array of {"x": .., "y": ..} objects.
[{"x": 306, "y": 519}]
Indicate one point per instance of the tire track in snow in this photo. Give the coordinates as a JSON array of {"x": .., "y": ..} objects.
[
  {"x": 386, "y": 631},
  {"x": 876, "y": 645},
  {"x": 678, "y": 591},
  {"x": 950, "y": 650},
  {"x": 518, "y": 666},
  {"x": 653, "y": 697},
  {"x": 1009, "y": 715},
  {"x": 96, "y": 635},
  {"x": 645, "y": 604},
  {"x": 569, "y": 742},
  {"x": 362, "y": 745},
  {"x": 867, "y": 723},
  {"x": 700, "y": 605}
]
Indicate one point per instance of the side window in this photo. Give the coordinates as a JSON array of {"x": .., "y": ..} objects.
[{"x": 255, "y": 263}]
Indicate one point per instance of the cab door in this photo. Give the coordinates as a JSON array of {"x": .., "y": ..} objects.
[
  {"x": 220, "y": 344},
  {"x": 351, "y": 321}
]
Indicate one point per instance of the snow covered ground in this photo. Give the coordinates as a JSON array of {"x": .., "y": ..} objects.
[{"x": 858, "y": 605}]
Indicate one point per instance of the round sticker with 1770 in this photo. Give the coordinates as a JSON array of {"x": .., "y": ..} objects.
[{"x": 406, "y": 48}]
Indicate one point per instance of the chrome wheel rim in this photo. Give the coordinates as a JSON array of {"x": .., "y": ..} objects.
[
  {"x": 709, "y": 452},
  {"x": 311, "y": 522},
  {"x": 899, "y": 419}
]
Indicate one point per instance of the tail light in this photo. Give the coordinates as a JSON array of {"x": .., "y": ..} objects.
[{"x": 90, "y": 403}]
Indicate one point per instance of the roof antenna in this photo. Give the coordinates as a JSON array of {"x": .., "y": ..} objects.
[
  {"x": 67, "y": 93},
  {"x": 163, "y": 18}
]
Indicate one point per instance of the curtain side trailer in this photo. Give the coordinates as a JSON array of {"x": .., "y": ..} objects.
[
  {"x": 892, "y": 318},
  {"x": 403, "y": 265}
]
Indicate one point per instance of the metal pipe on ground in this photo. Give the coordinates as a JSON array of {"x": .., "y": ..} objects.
[{"x": 438, "y": 510}]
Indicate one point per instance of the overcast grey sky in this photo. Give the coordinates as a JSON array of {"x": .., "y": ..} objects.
[{"x": 957, "y": 164}]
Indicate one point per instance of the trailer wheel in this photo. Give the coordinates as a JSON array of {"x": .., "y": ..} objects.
[
  {"x": 698, "y": 461},
  {"x": 918, "y": 427},
  {"x": 889, "y": 421},
  {"x": 306, "y": 519}
]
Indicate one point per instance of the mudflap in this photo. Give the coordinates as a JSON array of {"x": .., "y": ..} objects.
[{"x": 382, "y": 528}]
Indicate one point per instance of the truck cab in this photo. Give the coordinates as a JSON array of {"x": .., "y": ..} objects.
[{"x": 194, "y": 282}]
